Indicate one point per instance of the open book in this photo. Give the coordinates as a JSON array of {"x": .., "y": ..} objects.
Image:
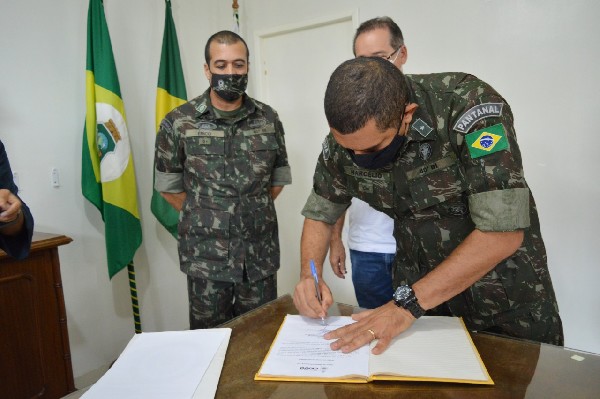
[{"x": 432, "y": 349}]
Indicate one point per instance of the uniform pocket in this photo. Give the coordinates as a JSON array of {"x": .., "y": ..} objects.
[
  {"x": 440, "y": 186},
  {"x": 205, "y": 157},
  {"x": 372, "y": 186},
  {"x": 205, "y": 235},
  {"x": 262, "y": 150}
]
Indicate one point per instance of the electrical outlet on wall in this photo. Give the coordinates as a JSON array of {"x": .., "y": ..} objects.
[{"x": 55, "y": 177}]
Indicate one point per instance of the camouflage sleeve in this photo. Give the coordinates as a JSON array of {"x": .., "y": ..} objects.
[
  {"x": 329, "y": 198},
  {"x": 168, "y": 159},
  {"x": 318, "y": 208},
  {"x": 282, "y": 173},
  {"x": 484, "y": 135}
]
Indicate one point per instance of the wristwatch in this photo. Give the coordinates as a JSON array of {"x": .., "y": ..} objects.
[{"x": 404, "y": 297}]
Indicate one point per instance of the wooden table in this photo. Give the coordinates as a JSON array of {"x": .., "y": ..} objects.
[{"x": 520, "y": 369}]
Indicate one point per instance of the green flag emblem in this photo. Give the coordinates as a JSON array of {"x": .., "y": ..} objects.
[{"x": 487, "y": 141}]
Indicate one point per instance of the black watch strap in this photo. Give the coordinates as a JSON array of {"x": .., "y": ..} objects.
[{"x": 404, "y": 297}]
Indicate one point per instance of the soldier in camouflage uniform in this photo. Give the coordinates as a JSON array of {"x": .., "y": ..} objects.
[
  {"x": 439, "y": 154},
  {"x": 221, "y": 161}
]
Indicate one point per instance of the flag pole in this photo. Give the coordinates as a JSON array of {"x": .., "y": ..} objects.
[
  {"x": 236, "y": 16},
  {"x": 134, "y": 299}
]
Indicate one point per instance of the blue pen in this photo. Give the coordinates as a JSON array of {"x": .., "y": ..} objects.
[{"x": 313, "y": 269}]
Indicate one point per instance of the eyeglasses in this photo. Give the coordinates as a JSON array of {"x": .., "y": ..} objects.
[{"x": 389, "y": 57}]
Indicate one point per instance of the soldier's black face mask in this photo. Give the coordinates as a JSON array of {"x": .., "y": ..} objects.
[
  {"x": 381, "y": 158},
  {"x": 229, "y": 87}
]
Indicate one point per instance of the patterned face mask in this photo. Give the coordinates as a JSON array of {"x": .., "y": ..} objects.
[{"x": 229, "y": 87}]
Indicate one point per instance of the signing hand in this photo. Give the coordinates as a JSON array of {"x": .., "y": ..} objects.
[
  {"x": 383, "y": 323},
  {"x": 305, "y": 298}
]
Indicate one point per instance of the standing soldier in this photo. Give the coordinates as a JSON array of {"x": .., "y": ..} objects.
[{"x": 221, "y": 161}]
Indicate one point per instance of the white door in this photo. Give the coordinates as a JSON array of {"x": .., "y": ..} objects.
[{"x": 295, "y": 65}]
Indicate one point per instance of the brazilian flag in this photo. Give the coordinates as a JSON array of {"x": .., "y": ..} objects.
[
  {"x": 107, "y": 172},
  {"x": 170, "y": 94}
]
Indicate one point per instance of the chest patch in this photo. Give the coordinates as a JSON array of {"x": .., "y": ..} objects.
[
  {"x": 431, "y": 167},
  {"x": 204, "y": 133},
  {"x": 423, "y": 128},
  {"x": 207, "y": 126},
  {"x": 256, "y": 122},
  {"x": 366, "y": 174},
  {"x": 265, "y": 129},
  {"x": 425, "y": 151}
]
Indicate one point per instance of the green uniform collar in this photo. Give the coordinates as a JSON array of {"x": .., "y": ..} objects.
[
  {"x": 422, "y": 126},
  {"x": 204, "y": 107}
]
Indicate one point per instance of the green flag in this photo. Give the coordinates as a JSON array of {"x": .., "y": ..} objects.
[
  {"x": 170, "y": 93},
  {"x": 107, "y": 172}
]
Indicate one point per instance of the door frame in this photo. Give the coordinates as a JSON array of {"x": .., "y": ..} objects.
[{"x": 262, "y": 35}]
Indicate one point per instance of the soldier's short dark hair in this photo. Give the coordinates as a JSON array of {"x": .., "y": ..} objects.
[
  {"x": 224, "y": 37},
  {"x": 396, "y": 38},
  {"x": 365, "y": 88}
]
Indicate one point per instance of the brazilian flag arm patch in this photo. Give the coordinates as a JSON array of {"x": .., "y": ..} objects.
[{"x": 487, "y": 141}]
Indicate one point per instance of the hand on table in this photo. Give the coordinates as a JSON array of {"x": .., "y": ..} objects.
[{"x": 383, "y": 323}]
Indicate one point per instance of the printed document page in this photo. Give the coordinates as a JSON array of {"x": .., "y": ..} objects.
[
  {"x": 301, "y": 351},
  {"x": 432, "y": 348},
  {"x": 160, "y": 365}
]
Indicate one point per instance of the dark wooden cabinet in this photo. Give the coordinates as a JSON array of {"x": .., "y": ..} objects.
[{"x": 35, "y": 358}]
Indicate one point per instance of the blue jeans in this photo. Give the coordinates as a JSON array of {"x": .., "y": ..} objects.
[{"x": 372, "y": 278}]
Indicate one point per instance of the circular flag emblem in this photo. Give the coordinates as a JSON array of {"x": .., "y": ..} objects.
[
  {"x": 112, "y": 141},
  {"x": 486, "y": 141}
]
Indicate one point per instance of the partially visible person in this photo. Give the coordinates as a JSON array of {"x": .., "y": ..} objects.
[
  {"x": 221, "y": 161},
  {"x": 370, "y": 233},
  {"x": 16, "y": 221}
]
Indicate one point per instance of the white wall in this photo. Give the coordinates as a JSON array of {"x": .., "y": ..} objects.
[
  {"x": 42, "y": 108},
  {"x": 541, "y": 55}
]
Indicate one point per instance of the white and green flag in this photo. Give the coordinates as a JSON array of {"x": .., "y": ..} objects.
[{"x": 107, "y": 172}]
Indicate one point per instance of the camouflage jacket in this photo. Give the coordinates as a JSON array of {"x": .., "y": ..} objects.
[
  {"x": 226, "y": 168},
  {"x": 459, "y": 169}
]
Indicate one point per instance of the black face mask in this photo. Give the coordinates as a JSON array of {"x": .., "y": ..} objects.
[
  {"x": 229, "y": 87},
  {"x": 381, "y": 158}
]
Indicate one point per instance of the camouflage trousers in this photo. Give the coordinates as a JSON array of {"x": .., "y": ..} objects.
[{"x": 215, "y": 302}]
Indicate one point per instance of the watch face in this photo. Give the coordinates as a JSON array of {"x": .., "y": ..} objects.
[{"x": 402, "y": 293}]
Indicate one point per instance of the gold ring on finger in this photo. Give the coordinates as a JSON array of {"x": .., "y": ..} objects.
[{"x": 372, "y": 333}]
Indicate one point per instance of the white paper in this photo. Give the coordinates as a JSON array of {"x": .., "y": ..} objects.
[
  {"x": 208, "y": 386},
  {"x": 160, "y": 365},
  {"x": 301, "y": 351},
  {"x": 433, "y": 347}
]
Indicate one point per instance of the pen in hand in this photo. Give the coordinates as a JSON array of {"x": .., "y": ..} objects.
[{"x": 313, "y": 270}]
